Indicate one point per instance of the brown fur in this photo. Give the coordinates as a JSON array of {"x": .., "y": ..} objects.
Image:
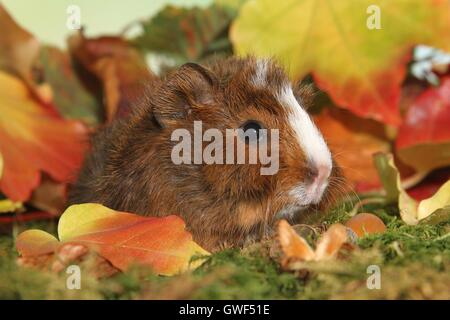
[{"x": 130, "y": 167}]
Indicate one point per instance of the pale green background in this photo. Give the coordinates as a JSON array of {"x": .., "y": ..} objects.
[{"x": 46, "y": 19}]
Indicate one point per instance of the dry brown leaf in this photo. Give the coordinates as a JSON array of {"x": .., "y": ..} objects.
[
  {"x": 119, "y": 68},
  {"x": 18, "y": 48},
  {"x": 292, "y": 245},
  {"x": 331, "y": 242},
  {"x": 49, "y": 196},
  {"x": 294, "y": 248}
]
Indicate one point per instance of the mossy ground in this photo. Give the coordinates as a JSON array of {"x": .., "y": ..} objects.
[{"x": 414, "y": 263}]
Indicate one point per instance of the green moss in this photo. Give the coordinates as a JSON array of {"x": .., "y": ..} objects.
[{"x": 414, "y": 261}]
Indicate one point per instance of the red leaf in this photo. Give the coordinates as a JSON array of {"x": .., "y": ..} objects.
[
  {"x": 377, "y": 99},
  {"x": 423, "y": 140},
  {"x": 430, "y": 185},
  {"x": 118, "y": 67}
]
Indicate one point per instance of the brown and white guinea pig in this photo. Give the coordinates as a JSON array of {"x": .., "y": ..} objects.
[{"x": 130, "y": 167}]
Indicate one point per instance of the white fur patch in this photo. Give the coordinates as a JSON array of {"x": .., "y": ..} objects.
[
  {"x": 260, "y": 76},
  {"x": 310, "y": 139},
  {"x": 313, "y": 145},
  {"x": 301, "y": 194}
]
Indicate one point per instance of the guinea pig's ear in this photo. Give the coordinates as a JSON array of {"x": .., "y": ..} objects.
[
  {"x": 304, "y": 93},
  {"x": 191, "y": 86}
]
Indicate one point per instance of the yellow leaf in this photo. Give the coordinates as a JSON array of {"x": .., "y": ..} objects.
[
  {"x": 438, "y": 201},
  {"x": 7, "y": 205},
  {"x": 359, "y": 62},
  {"x": 411, "y": 211},
  {"x": 84, "y": 218},
  {"x": 36, "y": 242}
]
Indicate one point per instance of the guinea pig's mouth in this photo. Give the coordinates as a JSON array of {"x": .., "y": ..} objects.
[
  {"x": 291, "y": 211},
  {"x": 303, "y": 197}
]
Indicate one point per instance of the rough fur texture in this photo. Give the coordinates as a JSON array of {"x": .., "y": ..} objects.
[{"x": 130, "y": 167}]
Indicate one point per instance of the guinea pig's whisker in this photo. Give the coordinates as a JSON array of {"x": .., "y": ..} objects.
[
  {"x": 340, "y": 188},
  {"x": 345, "y": 189}
]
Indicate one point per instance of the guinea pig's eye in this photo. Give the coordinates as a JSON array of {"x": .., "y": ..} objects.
[{"x": 251, "y": 130}]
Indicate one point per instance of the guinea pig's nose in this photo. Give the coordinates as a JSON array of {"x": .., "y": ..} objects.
[
  {"x": 318, "y": 173},
  {"x": 323, "y": 172}
]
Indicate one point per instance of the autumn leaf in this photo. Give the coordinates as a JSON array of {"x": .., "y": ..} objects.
[
  {"x": 353, "y": 142},
  {"x": 70, "y": 97},
  {"x": 36, "y": 242},
  {"x": 18, "y": 48},
  {"x": 423, "y": 140},
  {"x": 125, "y": 239},
  {"x": 113, "y": 63},
  {"x": 411, "y": 211},
  {"x": 7, "y": 206},
  {"x": 41, "y": 250},
  {"x": 292, "y": 245},
  {"x": 188, "y": 34},
  {"x": 84, "y": 219},
  {"x": 430, "y": 185},
  {"x": 33, "y": 139},
  {"x": 49, "y": 196},
  {"x": 331, "y": 242},
  {"x": 295, "y": 248},
  {"x": 361, "y": 68}
]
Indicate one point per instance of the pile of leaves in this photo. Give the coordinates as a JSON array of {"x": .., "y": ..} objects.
[{"x": 383, "y": 91}]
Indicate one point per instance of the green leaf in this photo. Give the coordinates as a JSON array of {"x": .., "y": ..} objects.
[
  {"x": 189, "y": 34},
  {"x": 72, "y": 99}
]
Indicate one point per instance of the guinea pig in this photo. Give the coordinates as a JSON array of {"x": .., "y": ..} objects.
[{"x": 131, "y": 168}]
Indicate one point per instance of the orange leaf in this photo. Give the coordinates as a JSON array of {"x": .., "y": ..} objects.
[
  {"x": 33, "y": 139},
  {"x": 354, "y": 141},
  {"x": 124, "y": 238},
  {"x": 331, "y": 242},
  {"x": 35, "y": 243},
  {"x": 292, "y": 245}
]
